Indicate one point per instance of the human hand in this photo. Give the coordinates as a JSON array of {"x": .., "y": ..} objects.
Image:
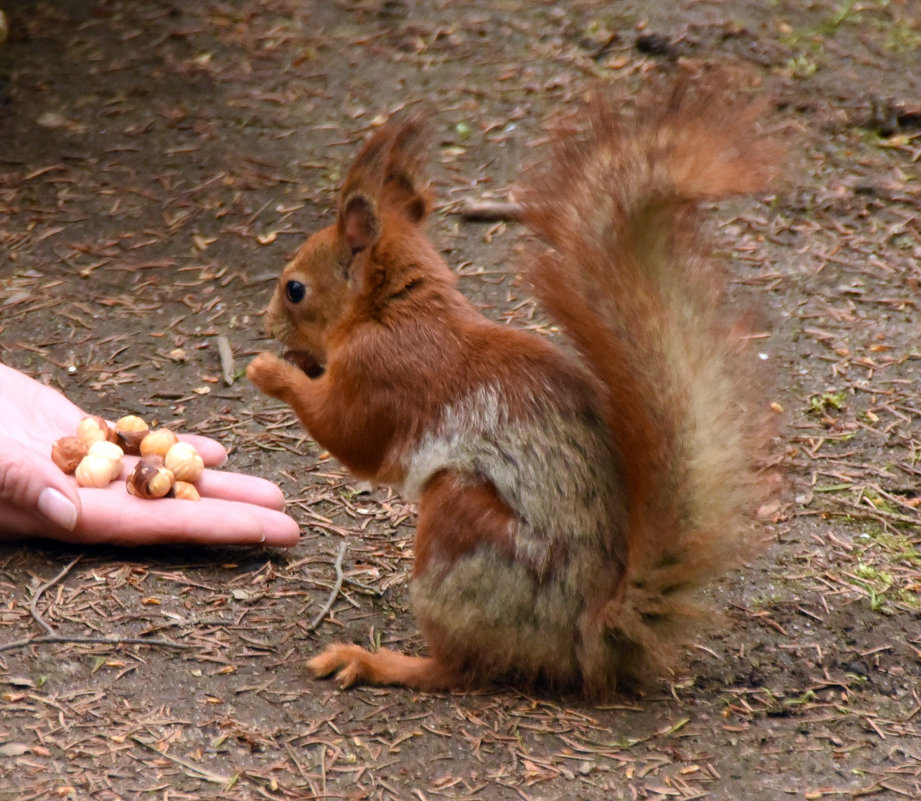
[{"x": 38, "y": 500}]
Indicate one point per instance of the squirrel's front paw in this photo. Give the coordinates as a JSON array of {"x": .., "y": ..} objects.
[{"x": 270, "y": 374}]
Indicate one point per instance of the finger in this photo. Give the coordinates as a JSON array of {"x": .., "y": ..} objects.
[
  {"x": 280, "y": 530},
  {"x": 126, "y": 520},
  {"x": 241, "y": 487},
  {"x": 16, "y": 523},
  {"x": 211, "y": 451},
  {"x": 227, "y": 486},
  {"x": 34, "y": 485}
]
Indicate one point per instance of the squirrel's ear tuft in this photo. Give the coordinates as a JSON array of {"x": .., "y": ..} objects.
[
  {"x": 358, "y": 222},
  {"x": 386, "y": 174},
  {"x": 405, "y": 182}
]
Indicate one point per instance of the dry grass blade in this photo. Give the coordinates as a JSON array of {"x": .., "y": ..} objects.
[{"x": 334, "y": 592}]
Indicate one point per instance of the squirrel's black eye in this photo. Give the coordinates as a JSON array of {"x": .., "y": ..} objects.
[{"x": 295, "y": 291}]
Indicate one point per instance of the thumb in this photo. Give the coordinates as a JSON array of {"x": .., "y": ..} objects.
[{"x": 34, "y": 485}]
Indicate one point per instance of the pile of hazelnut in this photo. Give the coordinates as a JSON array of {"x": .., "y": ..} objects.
[{"x": 167, "y": 467}]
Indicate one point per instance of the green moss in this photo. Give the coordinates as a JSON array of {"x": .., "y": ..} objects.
[
  {"x": 879, "y": 502},
  {"x": 899, "y": 31},
  {"x": 827, "y": 401},
  {"x": 901, "y": 38},
  {"x": 898, "y": 547}
]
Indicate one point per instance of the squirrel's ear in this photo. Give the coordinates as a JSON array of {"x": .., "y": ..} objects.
[{"x": 358, "y": 222}]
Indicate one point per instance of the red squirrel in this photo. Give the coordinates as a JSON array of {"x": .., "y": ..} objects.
[{"x": 568, "y": 503}]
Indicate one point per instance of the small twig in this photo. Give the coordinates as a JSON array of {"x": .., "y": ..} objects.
[
  {"x": 64, "y": 638},
  {"x": 226, "y": 353},
  {"x": 36, "y": 596},
  {"x": 489, "y": 210},
  {"x": 334, "y": 593},
  {"x": 202, "y": 773},
  {"x": 367, "y": 589},
  {"x": 53, "y": 637}
]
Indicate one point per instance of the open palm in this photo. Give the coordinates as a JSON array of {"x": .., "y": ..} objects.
[{"x": 37, "y": 499}]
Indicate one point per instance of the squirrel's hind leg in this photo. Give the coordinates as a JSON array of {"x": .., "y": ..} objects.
[{"x": 352, "y": 664}]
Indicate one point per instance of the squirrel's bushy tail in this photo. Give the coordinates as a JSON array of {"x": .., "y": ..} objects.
[{"x": 628, "y": 276}]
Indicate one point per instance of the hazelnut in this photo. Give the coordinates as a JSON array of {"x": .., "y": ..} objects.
[
  {"x": 129, "y": 431},
  {"x": 107, "y": 449},
  {"x": 96, "y": 470},
  {"x": 150, "y": 479},
  {"x": 67, "y": 452},
  {"x": 185, "y": 491},
  {"x": 93, "y": 429},
  {"x": 184, "y": 461},
  {"x": 158, "y": 442}
]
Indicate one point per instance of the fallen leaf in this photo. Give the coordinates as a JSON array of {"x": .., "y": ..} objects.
[{"x": 247, "y": 596}]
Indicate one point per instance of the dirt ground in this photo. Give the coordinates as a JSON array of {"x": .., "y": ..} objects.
[{"x": 160, "y": 161}]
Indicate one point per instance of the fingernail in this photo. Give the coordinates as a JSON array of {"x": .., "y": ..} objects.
[{"x": 57, "y": 508}]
